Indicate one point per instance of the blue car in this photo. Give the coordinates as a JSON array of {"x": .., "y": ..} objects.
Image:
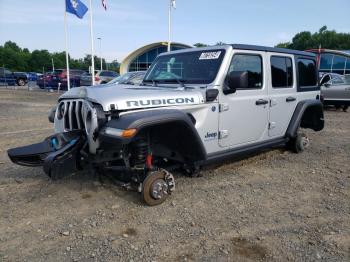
[
  {"x": 32, "y": 76},
  {"x": 7, "y": 77}
]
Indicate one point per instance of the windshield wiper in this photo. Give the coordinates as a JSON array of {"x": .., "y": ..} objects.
[
  {"x": 154, "y": 82},
  {"x": 181, "y": 82}
]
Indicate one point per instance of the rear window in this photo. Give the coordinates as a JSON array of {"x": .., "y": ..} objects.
[{"x": 307, "y": 72}]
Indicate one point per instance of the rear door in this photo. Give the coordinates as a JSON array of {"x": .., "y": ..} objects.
[
  {"x": 336, "y": 89},
  {"x": 282, "y": 92}
]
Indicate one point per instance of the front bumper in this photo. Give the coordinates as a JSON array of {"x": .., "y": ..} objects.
[{"x": 58, "y": 154}]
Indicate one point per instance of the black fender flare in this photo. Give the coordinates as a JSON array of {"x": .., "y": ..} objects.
[
  {"x": 307, "y": 114},
  {"x": 143, "y": 120}
]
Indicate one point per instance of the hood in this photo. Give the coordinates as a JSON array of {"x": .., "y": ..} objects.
[{"x": 126, "y": 97}]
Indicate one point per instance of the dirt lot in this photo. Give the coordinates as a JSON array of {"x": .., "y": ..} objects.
[{"x": 276, "y": 206}]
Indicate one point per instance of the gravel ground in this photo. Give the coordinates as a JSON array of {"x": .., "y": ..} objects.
[{"x": 276, "y": 206}]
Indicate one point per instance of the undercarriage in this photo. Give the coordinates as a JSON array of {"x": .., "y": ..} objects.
[{"x": 132, "y": 166}]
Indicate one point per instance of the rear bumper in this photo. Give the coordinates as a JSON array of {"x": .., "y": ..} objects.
[{"x": 58, "y": 154}]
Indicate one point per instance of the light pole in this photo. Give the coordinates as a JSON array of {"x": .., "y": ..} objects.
[
  {"x": 172, "y": 4},
  {"x": 99, "y": 38}
]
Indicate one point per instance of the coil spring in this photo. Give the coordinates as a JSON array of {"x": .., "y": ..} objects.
[{"x": 139, "y": 152}]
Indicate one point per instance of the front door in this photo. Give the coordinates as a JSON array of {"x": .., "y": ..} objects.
[
  {"x": 244, "y": 114},
  {"x": 282, "y": 93}
]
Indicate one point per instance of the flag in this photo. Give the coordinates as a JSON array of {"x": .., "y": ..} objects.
[
  {"x": 76, "y": 7},
  {"x": 173, "y": 3},
  {"x": 104, "y": 4}
]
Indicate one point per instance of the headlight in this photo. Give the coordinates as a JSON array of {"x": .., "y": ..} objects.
[{"x": 126, "y": 133}]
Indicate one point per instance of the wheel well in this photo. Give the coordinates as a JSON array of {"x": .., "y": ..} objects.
[
  {"x": 312, "y": 118},
  {"x": 175, "y": 140}
]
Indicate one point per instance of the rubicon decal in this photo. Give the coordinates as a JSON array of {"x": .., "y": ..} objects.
[{"x": 158, "y": 102}]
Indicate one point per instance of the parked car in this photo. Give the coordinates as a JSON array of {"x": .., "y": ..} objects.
[
  {"x": 104, "y": 76},
  {"x": 7, "y": 77},
  {"x": 21, "y": 78},
  {"x": 125, "y": 77},
  {"x": 32, "y": 76},
  {"x": 195, "y": 107},
  {"x": 74, "y": 76},
  {"x": 86, "y": 79},
  {"x": 52, "y": 79},
  {"x": 335, "y": 90}
]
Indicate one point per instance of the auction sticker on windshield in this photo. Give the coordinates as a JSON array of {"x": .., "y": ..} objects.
[{"x": 210, "y": 55}]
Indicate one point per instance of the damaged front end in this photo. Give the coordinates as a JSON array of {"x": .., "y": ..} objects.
[{"x": 58, "y": 154}]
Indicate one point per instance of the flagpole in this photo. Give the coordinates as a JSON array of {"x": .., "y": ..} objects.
[
  {"x": 92, "y": 47},
  {"x": 66, "y": 36},
  {"x": 169, "y": 24}
]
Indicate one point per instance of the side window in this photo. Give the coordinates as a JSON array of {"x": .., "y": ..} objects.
[
  {"x": 8, "y": 72},
  {"x": 307, "y": 72},
  {"x": 252, "y": 64},
  {"x": 336, "y": 80},
  {"x": 338, "y": 64},
  {"x": 281, "y": 71},
  {"x": 326, "y": 63},
  {"x": 347, "y": 67}
]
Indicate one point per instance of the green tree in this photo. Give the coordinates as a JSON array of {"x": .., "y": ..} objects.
[
  {"x": 200, "y": 45},
  {"x": 324, "y": 38}
]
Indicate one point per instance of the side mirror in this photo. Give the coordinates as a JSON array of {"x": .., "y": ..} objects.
[
  {"x": 236, "y": 80},
  {"x": 327, "y": 85}
]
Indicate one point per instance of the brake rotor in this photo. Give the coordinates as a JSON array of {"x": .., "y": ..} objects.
[{"x": 157, "y": 186}]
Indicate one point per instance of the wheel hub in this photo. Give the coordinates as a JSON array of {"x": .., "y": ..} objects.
[
  {"x": 159, "y": 189},
  {"x": 305, "y": 142}
]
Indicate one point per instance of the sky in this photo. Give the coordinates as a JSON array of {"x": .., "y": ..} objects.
[{"x": 130, "y": 24}]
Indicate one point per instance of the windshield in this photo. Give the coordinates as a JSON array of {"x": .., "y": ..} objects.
[{"x": 198, "y": 67}]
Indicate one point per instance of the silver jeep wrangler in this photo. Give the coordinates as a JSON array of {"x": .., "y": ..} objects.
[{"x": 194, "y": 107}]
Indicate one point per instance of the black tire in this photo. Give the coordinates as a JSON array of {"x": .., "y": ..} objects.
[
  {"x": 21, "y": 82},
  {"x": 299, "y": 143},
  {"x": 345, "y": 108}
]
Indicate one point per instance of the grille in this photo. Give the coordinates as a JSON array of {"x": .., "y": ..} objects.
[{"x": 73, "y": 115}]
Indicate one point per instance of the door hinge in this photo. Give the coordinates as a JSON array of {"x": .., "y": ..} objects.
[
  {"x": 223, "y": 107},
  {"x": 272, "y": 125},
  {"x": 223, "y": 134}
]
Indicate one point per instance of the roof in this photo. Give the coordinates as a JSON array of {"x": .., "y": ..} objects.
[
  {"x": 247, "y": 47},
  {"x": 272, "y": 49}
]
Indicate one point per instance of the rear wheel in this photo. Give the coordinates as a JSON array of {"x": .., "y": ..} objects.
[
  {"x": 157, "y": 186},
  {"x": 21, "y": 82},
  {"x": 299, "y": 143}
]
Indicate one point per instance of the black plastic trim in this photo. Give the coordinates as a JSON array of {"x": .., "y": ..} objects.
[
  {"x": 299, "y": 113},
  {"x": 150, "y": 118},
  {"x": 242, "y": 151}
]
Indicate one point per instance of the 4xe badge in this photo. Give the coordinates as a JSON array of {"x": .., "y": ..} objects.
[{"x": 210, "y": 136}]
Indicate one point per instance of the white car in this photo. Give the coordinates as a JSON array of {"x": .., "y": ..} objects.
[{"x": 194, "y": 107}]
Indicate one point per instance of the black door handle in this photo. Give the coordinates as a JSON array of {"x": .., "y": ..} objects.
[
  {"x": 290, "y": 99},
  {"x": 261, "y": 102}
]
